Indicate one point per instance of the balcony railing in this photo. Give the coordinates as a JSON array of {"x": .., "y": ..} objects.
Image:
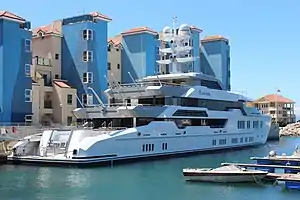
[{"x": 43, "y": 61}]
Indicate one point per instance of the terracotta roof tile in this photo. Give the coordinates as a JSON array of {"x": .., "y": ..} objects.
[
  {"x": 11, "y": 15},
  {"x": 62, "y": 84},
  {"x": 274, "y": 98},
  {"x": 117, "y": 40},
  {"x": 54, "y": 28},
  {"x": 139, "y": 30},
  {"x": 214, "y": 38},
  {"x": 100, "y": 16}
]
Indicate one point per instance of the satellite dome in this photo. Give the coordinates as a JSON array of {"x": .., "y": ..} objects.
[
  {"x": 167, "y": 32},
  {"x": 184, "y": 29}
]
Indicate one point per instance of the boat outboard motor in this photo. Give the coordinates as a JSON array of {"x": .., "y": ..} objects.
[{"x": 272, "y": 154}]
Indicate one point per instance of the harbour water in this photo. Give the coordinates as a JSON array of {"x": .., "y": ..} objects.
[{"x": 151, "y": 180}]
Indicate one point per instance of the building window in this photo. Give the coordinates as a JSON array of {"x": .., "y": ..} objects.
[
  {"x": 28, "y": 95},
  {"x": 241, "y": 140},
  {"x": 69, "y": 99},
  {"x": 87, "y": 56},
  {"x": 108, "y": 47},
  {"x": 28, "y": 45},
  {"x": 87, "y": 34},
  {"x": 28, "y": 118},
  {"x": 108, "y": 66},
  {"x": 117, "y": 49},
  {"x": 87, "y": 77},
  {"x": 27, "y": 69},
  {"x": 56, "y": 56},
  {"x": 87, "y": 99},
  {"x": 69, "y": 121},
  {"x": 118, "y": 66}
]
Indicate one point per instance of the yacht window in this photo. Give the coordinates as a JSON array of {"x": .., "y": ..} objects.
[
  {"x": 191, "y": 113},
  {"x": 211, "y": 84}
]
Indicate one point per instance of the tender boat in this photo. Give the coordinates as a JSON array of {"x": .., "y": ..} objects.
[
  {"x": 225, "y": 174},
  {"x": 274, "y": 159}
]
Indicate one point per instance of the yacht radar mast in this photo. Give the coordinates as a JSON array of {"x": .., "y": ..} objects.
[{"x": 178, "y": 53}]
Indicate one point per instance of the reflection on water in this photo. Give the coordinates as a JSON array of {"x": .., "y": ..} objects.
[
  {"x": 141, "y": 181},
  {"x": 78, "y": 178},
  {"x": 43, "y": 178}
]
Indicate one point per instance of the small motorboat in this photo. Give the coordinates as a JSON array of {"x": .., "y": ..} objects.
[{"x": 224, "y": 174}]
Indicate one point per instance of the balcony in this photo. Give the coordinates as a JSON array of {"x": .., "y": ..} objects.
[{"x": 42, "y": 63}]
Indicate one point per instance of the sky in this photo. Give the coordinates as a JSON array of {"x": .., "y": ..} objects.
[{"x": 264, "y": 34}]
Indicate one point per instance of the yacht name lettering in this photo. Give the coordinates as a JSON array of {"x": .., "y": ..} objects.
[{"x": 204, "y": 93}]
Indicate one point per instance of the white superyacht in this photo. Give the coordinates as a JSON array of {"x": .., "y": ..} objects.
[{"x": 177, "y": 113}]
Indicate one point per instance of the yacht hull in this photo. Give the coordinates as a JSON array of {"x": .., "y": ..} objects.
[
  {"x": 224, "y": 178},
  {"x": 111, "y": 160}
]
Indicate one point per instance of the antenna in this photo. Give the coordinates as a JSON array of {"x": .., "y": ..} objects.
[
  {"x": 134, "y": 81},
  {"x": 97, "y": 97},
  {"x": 79, "y": 101},
  {"x": 174, "y": 25},
  {"x": 116, "y": 81},
  {"x": 158, "y": 79},
  {"x": 132, "y": 78},
  {"x": 109, "y": 84}
]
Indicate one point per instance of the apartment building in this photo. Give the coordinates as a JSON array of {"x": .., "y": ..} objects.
[
  {"x": 53, "y": 98},
  {"x": 114, "y": 49},
  {"x": 15, "y": 66},
  {"x": 280, "y": 108},
  {"x": 139, "y": 53},
  {"x": 84, "y": 50},
  {"x": 217, "y": 50}
]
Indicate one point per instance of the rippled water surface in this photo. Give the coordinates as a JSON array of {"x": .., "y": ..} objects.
[{"x": 141, "y": 181}]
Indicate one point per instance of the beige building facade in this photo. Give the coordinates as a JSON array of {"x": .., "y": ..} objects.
[
  {"x": 281, "y": 109},
  {"x": 53, "y": 99},
  {"x": 114, "y": 48}
]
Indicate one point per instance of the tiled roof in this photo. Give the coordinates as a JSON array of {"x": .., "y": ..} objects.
[
  {"x": 117, "y": 40},
  {"x": 100, "y": 16},
  {"x": 274, "y": 98},
  {"x": 54, "y": 28},
  {"x": 62, "y": 84},
  {"x": 214, "y": 38},
  {"x": 11, "y": 15},
  {"x": 139, "y": 30}
]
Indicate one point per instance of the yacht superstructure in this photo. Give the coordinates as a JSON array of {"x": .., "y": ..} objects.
[{"x": 160, "y": 115}]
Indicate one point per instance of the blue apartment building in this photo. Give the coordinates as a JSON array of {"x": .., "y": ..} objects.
[
  {"x": 84, "y": 60},
  {"x": 217, "y": 50},
  {"x": 139, "y": 53},
  {"x": 15, "y": 65}
]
